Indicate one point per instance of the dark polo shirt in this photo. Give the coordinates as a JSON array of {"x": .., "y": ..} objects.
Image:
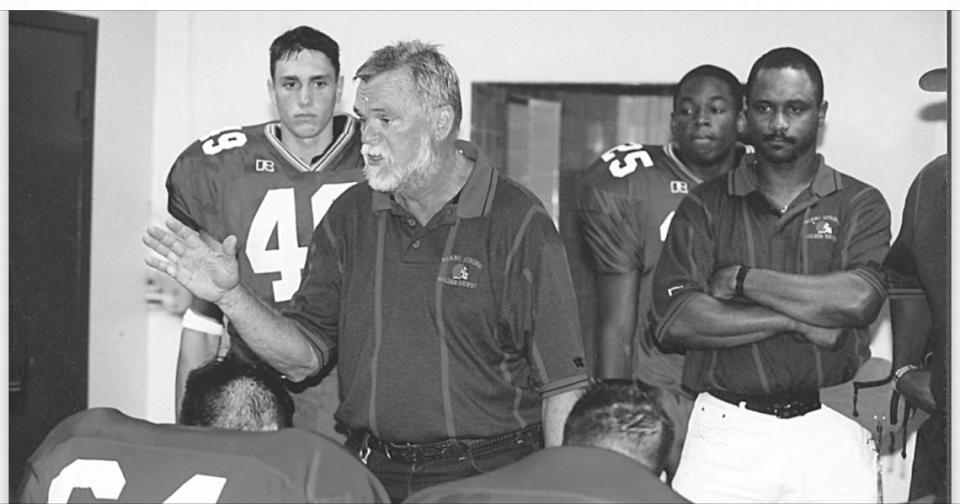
[
  {"x": 559, "y": 474},
  {"x": 453, "y": 329},
  {"x": 919, "y": 261},
  {"x": 838, "y": 224}
]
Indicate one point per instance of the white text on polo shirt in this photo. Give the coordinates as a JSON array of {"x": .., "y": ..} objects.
[
  {"x": 821, "y": 227},
  {"x": 459, "y": 271}
]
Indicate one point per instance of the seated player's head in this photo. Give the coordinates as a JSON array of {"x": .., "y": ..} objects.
[
  {"x": 230, "y": 394},
  {"x": 706, "y": 109},
  {"x": 622, "y": 416}
]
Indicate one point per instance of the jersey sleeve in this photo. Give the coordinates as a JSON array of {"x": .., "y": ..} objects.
[
  {"x": 541, "y": 308},
  {"x": 191, "y": 191},
  {"x": 611, "y": 229}
]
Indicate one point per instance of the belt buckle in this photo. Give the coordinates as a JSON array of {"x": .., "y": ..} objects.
[
  {"x": 790, "y": 410},
  {"x": 364, "y": 452}
]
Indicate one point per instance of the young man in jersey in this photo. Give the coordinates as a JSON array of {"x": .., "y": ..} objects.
[
  {"x": 615, "y": 443},
  {"x": 101, "y": 453},
  {"x": 442, "y": 286},
  {"x": 769, "y": 280},
  {"x": 627, "y": 199},
  {"x": 269, "y": 185}
]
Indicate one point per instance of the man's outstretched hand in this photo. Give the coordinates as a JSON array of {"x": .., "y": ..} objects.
[{"x": 206, "y": 270}]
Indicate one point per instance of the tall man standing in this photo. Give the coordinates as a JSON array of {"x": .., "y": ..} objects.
[
  {"x": 271, "y": 181},
  {"x": 442, "y": 285},
  {"x": 918, "y": 266},
  {"x": 627, "y": 199},
  {"x": 768, "y": 280}
]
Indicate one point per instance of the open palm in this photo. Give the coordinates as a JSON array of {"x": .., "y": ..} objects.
[{"x": 206, "y": 270}]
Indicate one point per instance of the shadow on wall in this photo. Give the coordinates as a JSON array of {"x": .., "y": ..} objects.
[{"x": 935, "y": 112}]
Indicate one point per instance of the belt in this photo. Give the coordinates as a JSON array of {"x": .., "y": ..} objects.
[
  {"x": 422, "y": 452},
  {"x": 781, "y": 405}
]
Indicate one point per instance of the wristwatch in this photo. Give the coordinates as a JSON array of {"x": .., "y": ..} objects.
[{"x": 902, "y": 371}]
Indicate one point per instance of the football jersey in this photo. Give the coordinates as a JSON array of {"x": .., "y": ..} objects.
[
  {"x": 627, "y": 199},
  {"x": 244, "y": 182},
  {"x": 568, "y": 474},
  {"x": 102, "y": 455}
]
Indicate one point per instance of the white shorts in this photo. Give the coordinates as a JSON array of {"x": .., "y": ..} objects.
[{"x": 733, "y": 454}]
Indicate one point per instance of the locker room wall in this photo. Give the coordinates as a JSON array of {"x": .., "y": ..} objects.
[{"x": 166, "y": 78}]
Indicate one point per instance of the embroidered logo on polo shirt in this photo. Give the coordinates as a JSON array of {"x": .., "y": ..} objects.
[
  {"x": 459, "y": 271},
  {"x": 821, "y": 227}
]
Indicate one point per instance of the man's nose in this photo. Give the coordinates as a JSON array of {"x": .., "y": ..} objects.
[
  {"x": 368, "y": 133},
  {"x": 778, "y": 123},
  {"x": 304, "y": 97}
]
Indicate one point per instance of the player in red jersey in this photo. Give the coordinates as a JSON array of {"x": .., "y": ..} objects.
[
  {"x": 615, "y": 442},
  {"x": 269, "y": 185},
  {"x": 101, "y": 454},
  {"x": 627, "y": 200}
]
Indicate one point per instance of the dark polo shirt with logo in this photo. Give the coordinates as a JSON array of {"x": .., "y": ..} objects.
[
  {"x": 453, "y": 329},
  {"x": 838, "y": 224}
]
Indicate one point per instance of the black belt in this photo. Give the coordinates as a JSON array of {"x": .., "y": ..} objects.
[
  {"x": 781, "y": 405},
  {"x": 364, "y": 441}
]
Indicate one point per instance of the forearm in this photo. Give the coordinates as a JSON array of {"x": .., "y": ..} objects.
[
  {"x": 196, "y": 349},
  {"x": 613, "y": 348},
  {"x": 910, "y": 322},
  {"x": 616, "y": 323},
  {"x": 839, "y": 299},
  {"x": 275, "y": 339},
  {"x": 704, "y": 322},
  {"x": 556, "y": 408}
]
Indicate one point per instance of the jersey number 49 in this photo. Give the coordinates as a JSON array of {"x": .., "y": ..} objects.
[{"x": 278, "y": 212}]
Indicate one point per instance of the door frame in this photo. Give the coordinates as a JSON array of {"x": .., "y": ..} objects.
[{"x": 86, "y": 29}]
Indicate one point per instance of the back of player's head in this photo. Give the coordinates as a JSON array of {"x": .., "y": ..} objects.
[
  {"x": 230, "y": 394},
  {"x": 435, "y": 78},
  {"x": 303, "y": 38},
  {"x": 721, "y": 74},
  {"x": 787, "y": 57},
  {"x": 623, "y": 416}
]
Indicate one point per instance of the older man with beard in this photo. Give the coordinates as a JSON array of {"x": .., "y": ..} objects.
[{"x": 442, "y": 285}]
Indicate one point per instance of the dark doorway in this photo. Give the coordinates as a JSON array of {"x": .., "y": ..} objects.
[
  {"x": 52, "y": 70},
  {"x": 545, "y": 135}
]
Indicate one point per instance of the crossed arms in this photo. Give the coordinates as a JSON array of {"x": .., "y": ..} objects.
[{"x": 697, "y": 307}]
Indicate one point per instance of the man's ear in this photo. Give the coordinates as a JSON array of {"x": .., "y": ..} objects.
[
  {"x": 273, "y": 96},
  {"x": 741, "y": 123},
  {"x": 822, "y": 113},
  {"x": 339, "y": 88},
  {"x": 444, "y": 123}
]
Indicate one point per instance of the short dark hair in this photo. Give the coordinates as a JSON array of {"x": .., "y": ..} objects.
[
  {"x": 721, "y": 74},
  {"x": 624, "y": 414},
  {"x": 433, "y": 75},
  {"x": 788, "y": 57},
  {"x": 304, "y": 38},
  {"x": 232, "y": 394}
]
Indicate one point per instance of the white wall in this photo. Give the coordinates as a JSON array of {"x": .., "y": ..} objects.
[
  {"x": 871, "y": 62},
  {"x": 119, "y": 350},
  {"x": 167, "y": 78}
]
